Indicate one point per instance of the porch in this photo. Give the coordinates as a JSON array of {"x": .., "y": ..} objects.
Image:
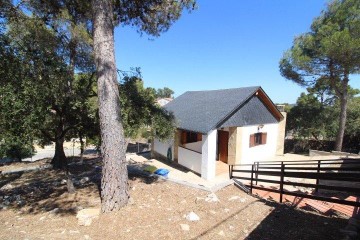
[{"x": 204, "y": 154}]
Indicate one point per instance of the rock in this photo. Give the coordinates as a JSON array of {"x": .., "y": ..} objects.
[
  {"x": 212, "y": 198},
  {"x": 227, "y": 210},
  {"x": 42, "y": 218},
  {"x": 86, "y": 216},
  {"x": 54, "y": 211},
  {"x": 7, "y": 187},
  {"x": 185, "y": 227},
  {"x": 237, "y": 198},
  {"x": 221, "y": 233},
  {"x": 131, "y": 201},
  {"x": 84, "y": 180},
  {"x": 245, "y": 231},
  {"x": 231, "y": 227},
  {"x": 198, "y": 199},
  {"x": 212, "y": 212},
  {"x": 86, "y": 237},
  {"x": 63, "y": 181},
  {"x": 73, "y": 231},
  {"x": 192, "y": 217}
]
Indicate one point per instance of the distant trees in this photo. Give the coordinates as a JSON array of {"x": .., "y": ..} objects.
[
  {"x": 315, "y": 113},
  {"x": 328, "y": 55},
  {"x": 140, "y": 112},
  {"x": 164, "y": 93}
]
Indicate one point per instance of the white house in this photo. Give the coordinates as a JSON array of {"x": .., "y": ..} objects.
[{"x": 235, "y": 126}]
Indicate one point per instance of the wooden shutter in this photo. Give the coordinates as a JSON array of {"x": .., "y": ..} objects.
[
  {"x": 263, "y": 138},
  {"x": 183, "y": 137},
  {"x": 199, "y": 137},
  {"x": 252, "y": 140}
]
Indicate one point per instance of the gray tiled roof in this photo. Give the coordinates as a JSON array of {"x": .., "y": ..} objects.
[
  {"x": 252, "y": 112},
  {"x": 202, "y": 111}
]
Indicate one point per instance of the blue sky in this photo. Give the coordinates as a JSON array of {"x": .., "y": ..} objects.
[{"x": 223, "y": 44}]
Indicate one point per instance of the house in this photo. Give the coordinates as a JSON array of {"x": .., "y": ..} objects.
[
  {"x": 234, "y": 126},
  {"x": 163, "y": 101}
]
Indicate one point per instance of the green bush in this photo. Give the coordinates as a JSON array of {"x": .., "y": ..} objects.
[{"x": 16, "y": 150}]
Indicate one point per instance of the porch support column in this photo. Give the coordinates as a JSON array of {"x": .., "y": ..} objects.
[{"x": 208, "y": 157}]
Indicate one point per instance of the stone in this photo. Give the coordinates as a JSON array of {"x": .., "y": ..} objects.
[
  {"x": 212, "y": 212},
  {"x": 63, "y": 181},
  {"x": 7, "y": 187},
  {"x": 192, "y": 217},
  {"x": 42, "y": 218},
  {"x": 86, "y": 237},
  {"x": 212, "y": 198},
  {"x": 131, "y": 201},
  {"x": 233, "y": 198},
  {"x": 84, "y": 180},
  {"x": 87, "y": 215},
  {"x": 185, "y": 227},
  {"x": 54, "y": 211},
  {"x": 221, "y": 233}
]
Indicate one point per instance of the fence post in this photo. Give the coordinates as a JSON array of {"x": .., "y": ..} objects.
[
  {"x": 256, "y": 174},
  {"x": 282, "y": 181},
  {"x": 252, "y": 178},
  {"x": 317, "y": 179},
  {"x": 230, "y": 171}
]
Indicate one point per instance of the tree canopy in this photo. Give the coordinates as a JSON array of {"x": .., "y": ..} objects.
[{"x": 328, "y": 54}]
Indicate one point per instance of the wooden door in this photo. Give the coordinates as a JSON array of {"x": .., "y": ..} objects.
[{"x": 223, "y": 140}]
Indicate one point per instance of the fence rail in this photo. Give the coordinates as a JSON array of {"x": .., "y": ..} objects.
[{"x": 343, "y": 171}]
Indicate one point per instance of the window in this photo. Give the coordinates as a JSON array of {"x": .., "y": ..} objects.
[
  {"x": 190, "y": 137},
  {"x": 258, "y": 139}
]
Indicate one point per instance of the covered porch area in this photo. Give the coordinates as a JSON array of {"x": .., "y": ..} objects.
[{"x": 205, "y": 154}]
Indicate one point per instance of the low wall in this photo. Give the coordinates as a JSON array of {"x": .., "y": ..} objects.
[
  {"x": 190, "y": 159},
  {"x": 163, "y": 147},
  {"x": 313, "y": 153},
  {"x": 196, "y": 146}
]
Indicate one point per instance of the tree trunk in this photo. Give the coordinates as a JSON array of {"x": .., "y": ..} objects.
[
  {"x": 114, "y": 182},
  {"x": 343, "y": 112},
  {"x": 59, "y": 160},
  {"x": 82, "y": 148}
]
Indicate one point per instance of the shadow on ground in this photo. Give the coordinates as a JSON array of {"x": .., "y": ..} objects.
[
  {"x": 282, "y": 223},
  {"x": 45, "y": 190}
]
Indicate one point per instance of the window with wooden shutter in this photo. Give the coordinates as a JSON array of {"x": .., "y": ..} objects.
[
  {"x": 252, "y": 140},
  {"x": 263, "y": 138},
  {"x": 257, "y": 139}
]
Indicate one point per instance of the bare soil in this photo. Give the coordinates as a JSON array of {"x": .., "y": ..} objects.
[{"x": 36, "y": 205}]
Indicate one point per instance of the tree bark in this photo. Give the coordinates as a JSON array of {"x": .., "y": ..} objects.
[
  {"x": 82, "y": 148},
  {"x": 114, "y": 182},
  {"x": 59, "y": 160},
  {"x": 343, "y": 97}
]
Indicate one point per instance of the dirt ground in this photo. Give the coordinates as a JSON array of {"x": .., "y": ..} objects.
[{"x": 36, "y": 205}]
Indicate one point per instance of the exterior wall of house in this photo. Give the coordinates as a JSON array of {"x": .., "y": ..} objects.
[
  {"x": 248, "y": 155},
  {"x": 208, "y": 157},
  {"x": 234, "y": 145},
  {"x": 189, "y": 159},
  {"x": 281, "y": 135},
  {"x": 161, "y": 148},
  {"x": 195, "y": 146}
]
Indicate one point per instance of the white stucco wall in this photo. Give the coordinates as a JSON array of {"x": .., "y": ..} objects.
[
  {"x": 208, "y": 160},
  {"x": 190, "y": 159},
  {"x": 196, "y": 146},
  {"x": 162, "y": 147},
  {"x": 261, "y": 152}
]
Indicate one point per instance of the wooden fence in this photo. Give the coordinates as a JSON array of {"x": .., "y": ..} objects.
[{"x": 343, "y": 171}]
